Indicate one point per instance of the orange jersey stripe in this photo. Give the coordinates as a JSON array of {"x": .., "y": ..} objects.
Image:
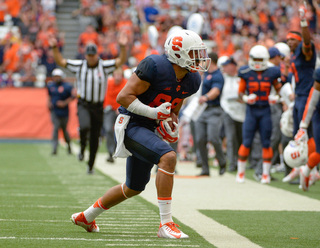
[{"x": 306, "y": 108}]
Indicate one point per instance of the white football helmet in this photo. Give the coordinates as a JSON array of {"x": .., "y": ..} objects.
[
  {"x": 296, "y": 154},
  {"x": 258, "y": 58},
  {"x": 186, "y": 49},
  {"x": 283, "y": 48}
]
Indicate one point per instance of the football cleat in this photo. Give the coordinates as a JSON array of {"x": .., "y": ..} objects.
[
  {"x": 80, "y": 220},
  {"x": 170, "y": 230},
  {"x": 304, "y": 180},
  {"x": 265, "y": 179},
  {"x": 292, "y": 175},
  {"x": 240, "y": 178}
]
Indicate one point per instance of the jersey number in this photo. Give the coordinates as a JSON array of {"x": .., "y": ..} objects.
[
  {"x": 162, "y": 98},
  {"x": 262, "y": 87}
]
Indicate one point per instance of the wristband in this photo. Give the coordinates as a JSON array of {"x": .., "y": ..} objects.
[{"x": 304, "y": 23}]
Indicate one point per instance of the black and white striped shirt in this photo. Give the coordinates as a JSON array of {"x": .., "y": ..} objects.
[{"x": 91, "y": 81}]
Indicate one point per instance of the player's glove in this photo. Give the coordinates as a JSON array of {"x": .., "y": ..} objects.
[
  {"x": 303, "y": 16},
  {"x": 273, "y": 99},
  {"x": 164, "y": 131},
  {"x": 301, "y": 136},
  {"x": 163, "y": 111},
  {"x": 251, "y": 99},
  {"x": 302, "y": 12}
]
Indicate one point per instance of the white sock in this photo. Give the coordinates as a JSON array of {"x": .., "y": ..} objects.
[
  {"x": 93, "y": 211},
  {"x": 306, "y": 170},
  {"x": 165, "y": 209},
  {"x": 241, "y": 166},
  {"x": 266, "y": 168}
]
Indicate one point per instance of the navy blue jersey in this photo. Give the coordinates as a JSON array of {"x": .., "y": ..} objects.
[
  {"x": 158, "y": 71},
  {"x": 212, "y": 80},
  {"x": 59, "y": 92},
  {"x": 258, "y": 83},
  {"x": 303, "y": 71}
]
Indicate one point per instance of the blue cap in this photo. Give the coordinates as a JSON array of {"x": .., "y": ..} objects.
[
  {"x": 273, "y": 51},
  {"x": 229, "y": 61}
]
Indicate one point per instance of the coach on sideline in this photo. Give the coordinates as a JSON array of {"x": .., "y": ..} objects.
[{"x": 91, "y": 74}]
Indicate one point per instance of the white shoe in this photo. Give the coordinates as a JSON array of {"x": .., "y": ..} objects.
[
  {"x": 170, "y": 231},
  {"x": 265, "y": 179},
  {"x": 240, "y": 177},
  {"x": 304, "y": 180},
  {"x": 80, "y": 220},
  {"x": 292, "y": 175}
]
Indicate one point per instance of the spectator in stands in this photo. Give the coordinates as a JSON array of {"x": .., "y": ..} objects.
[{"x": 60, "y": 95}]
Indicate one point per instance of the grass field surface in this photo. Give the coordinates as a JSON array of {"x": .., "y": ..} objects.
[{"x": 39, "y": 192}]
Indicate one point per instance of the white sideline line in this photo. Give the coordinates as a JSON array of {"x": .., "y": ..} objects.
[{"x": 108, "y": 240}]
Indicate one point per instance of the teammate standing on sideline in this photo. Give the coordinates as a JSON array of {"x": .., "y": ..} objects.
[
  {"x": 208, "y": 126},
  {"x": 156, "y": 89},
  {"x": 303, "y": 61},
  {"x": 60, "y": 95},
  {"x": 257, "y": 79},
  {"x": 110, "y": 109},
  {"x": 91, "y": 73}
]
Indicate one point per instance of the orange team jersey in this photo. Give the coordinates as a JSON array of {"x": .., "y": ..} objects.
[
  {"x": 12, "y": 56},
  {"x": 112, "y": 92},
  {"x": 3, "y": 11},
  {"x": 13, "y": 7},
  {"x": 85, "y": 38}
]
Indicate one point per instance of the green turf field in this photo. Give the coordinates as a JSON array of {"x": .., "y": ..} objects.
[{"x": 39, "y": 192}]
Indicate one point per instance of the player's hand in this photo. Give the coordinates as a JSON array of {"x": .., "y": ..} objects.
[
  {"x": 302, "y": 12},
  {"x": 273, "y": 99},
  {"x": 165, "y": 132},
  {"x": 301, "y": 136},
  {"x": 163, "y": 111},
  {"x": 251, "y": 99}
]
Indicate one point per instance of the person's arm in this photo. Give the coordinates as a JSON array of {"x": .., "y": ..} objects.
[
  {"x": 123, "y": 41},
  {"x": 211, "y": 95},
  {"x": 127, "y": 98},
  {"x": 306, "y": 38},
  {"x": 58, "y": 58}
]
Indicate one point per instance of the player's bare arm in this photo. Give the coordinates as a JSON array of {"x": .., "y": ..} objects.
[
  {"x": 307, "y": 46},
  {"x": 134, "y": 87}
]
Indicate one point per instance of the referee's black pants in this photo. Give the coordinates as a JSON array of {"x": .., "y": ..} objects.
[{"x": 90, "y": 120}]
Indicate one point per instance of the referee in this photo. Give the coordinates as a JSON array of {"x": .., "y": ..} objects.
[{"x": 91, "y": 73}]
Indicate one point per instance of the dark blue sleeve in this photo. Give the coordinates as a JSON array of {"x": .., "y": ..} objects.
[
  {"x": 146, "y": 70},
  {"x": 316, "y": 75},
  {"x": 218, "y": 82}
]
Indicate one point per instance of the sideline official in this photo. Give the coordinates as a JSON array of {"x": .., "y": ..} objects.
[{"x": 91, "y": 73}]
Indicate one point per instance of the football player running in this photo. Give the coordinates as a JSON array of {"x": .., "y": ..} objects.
[
  {"x": 154, "y": 91},
  {"x": 256, "y": 80},
  {"x": 311, "y": 111}
]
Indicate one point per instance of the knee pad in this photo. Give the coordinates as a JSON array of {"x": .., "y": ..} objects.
[
  {"x": 243, "y": 152},
  {"x": 267, "y": 154},
  {"x": 314, "y": 159}
]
